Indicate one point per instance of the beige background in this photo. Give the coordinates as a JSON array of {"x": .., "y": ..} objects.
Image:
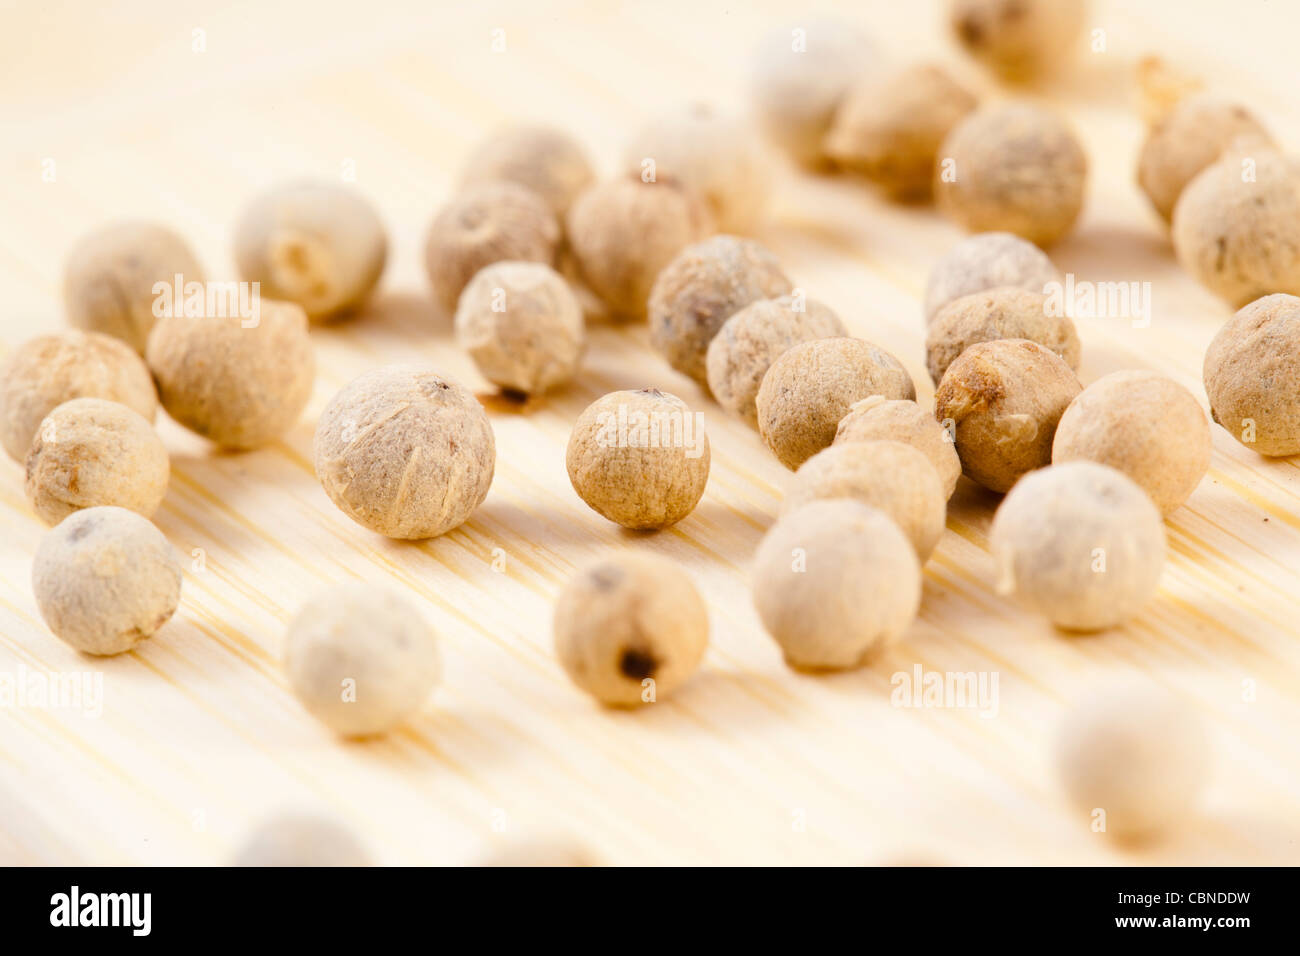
[{"x": 750, "y": 763}]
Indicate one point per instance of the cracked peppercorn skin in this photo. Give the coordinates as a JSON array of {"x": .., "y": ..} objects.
[
  {"x": 628, "y": 619},
  {"x": 1004, "y": 399},
  {"x": 1252, "y": 376},
  {"x": 405, "y": 451}
]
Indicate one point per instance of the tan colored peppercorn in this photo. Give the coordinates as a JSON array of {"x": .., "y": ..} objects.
[
  {"x": 624, "y": 232},
  {"x": 239, "y": 382},
  {"x": 316, "y": 244},
  {"x": 987, "y": 260},
  {"x": 630, "y": 629},
  {"x": 812, "y": 386},
  {"x": 1019, "y": 39},
  {"x": 835, "y": 583},
  {"x": 1002, "y": 313},
  {"x": 706, "y": 284},
  {"x": 889, "y": 128},
  {"x": 755, "y": 337},
  {"x": 1143, "y": 424},
  {"x": 522, "y": 325},
  {"x": 105, "y": 579},
  {"x": 799, "y": 77},
  {"x": 546, "y": 160},
  {"x": 297, "y": 839},
  {"x": 1252, "y": 375},
  {"x": 1004, "y": 399},
  {"x": 1236, "y": 226},
  {"x": 639, "y": 458},
  {"x": 47, "y": 371},
  {"x": 1079, "y": 543},
  {"x": 718, "y": 156},
  {"x": 487, "y": 223},
  {"x": 1133, "y": 761},
  {"x": 1012, "y": 167},
  {"x": 405, "y": 451},
  {"x": 877, "y": 418},
  {"x": 91, "y": 452},
  {"x": 1194, "y": 134},
  {"x": 361, "y": 659},
  {"x": 109, "y": 279},
  {"x": 889, "y": 475}
]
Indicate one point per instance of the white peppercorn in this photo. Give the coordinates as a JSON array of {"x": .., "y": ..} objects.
[
  {"x": 1003, "y": 400},
  {"x": 238, "y": 383},
  {"x": 1196, "y": 131},
  {"x": 1002, "y": 313},
  {"x": 317, "y": 244},
  {"x": 405, "y": 451},
  {"x": 522, "y": 325},
  {"x": 639, "y": 458},
  {"x": 1236, "y": 226},
  {"x": 987, "y": 260},
  {"x": 546, "y": 160},
  {"x": 1012, "y": 167},
  {"x": 91, "y": 452},
  {"x": 487, "y": 223},
  {"x": 835, "y": 583},
  {"x": 361, "y": 658},
  {"x": 47, "y": 371},
  {"x": 1133, "y": 760},
  {"x": 1143, "y": 424},
  {"x": 717, "y": 156},
  {"x": 1252, "y": 375},
  {"x": 109, "y": 279},
  {"x": 799, "y": 76},
  {"x": 876, "y": 417},
  {"x": 1079, "y": 543},
  {"x": 105, "y": 579},
  {"x": 706, "y": 284},
  {"x": 812, "y": 386},
  {"x": 888, "y": 475},
  {"x": 630, "y": 629},
  {"x": 755, "y": 337},
  {"x": 889, "y": 128},
  {"x": 624, "y": 231}
]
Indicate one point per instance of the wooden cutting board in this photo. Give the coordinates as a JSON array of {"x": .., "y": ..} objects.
[{"x": 122, "y": 114}]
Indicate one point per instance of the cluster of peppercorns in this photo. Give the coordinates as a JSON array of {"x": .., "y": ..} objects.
[{"x": 531, "y": 236}]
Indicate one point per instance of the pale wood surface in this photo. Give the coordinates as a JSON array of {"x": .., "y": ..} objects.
[{"x": 751, "y": 763}]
